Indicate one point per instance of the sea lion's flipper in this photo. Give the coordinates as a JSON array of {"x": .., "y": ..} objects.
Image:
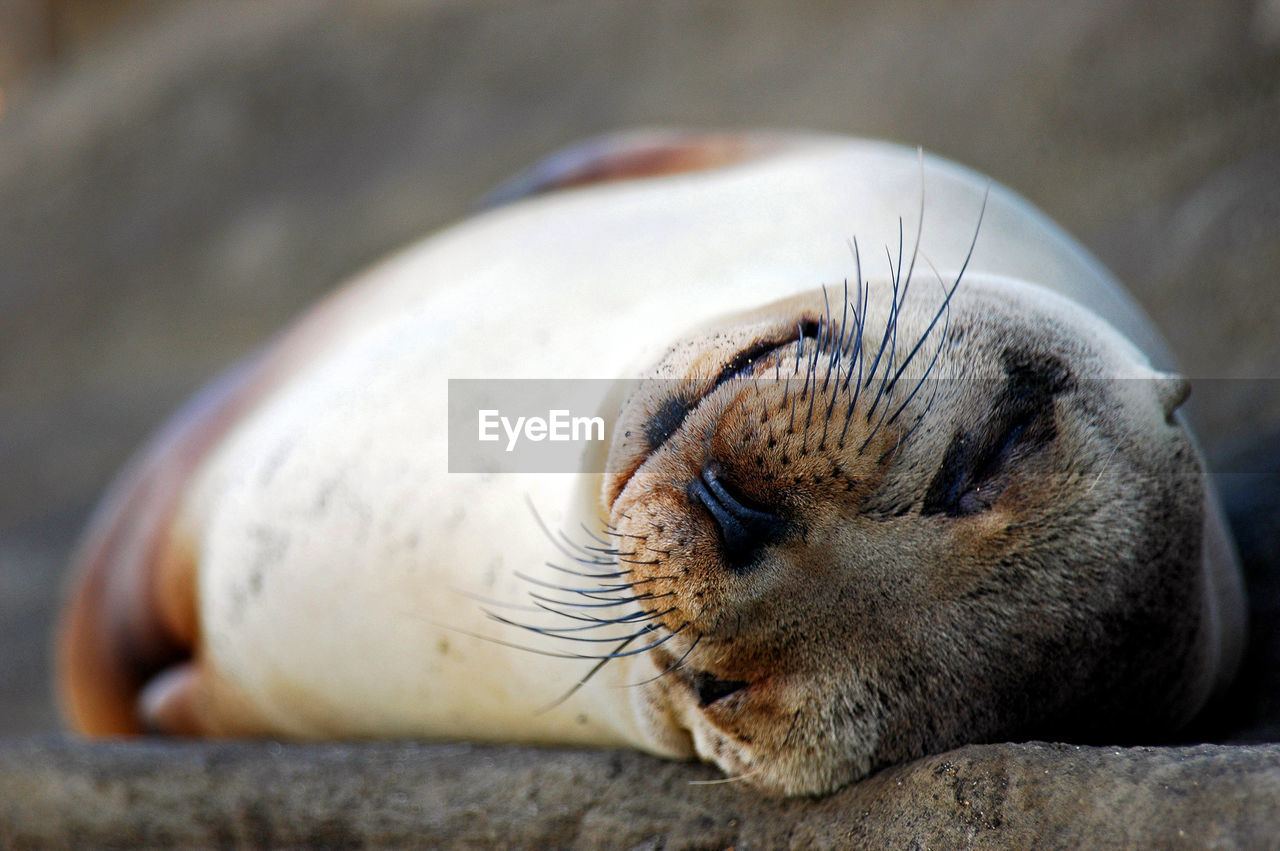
[
  {"x": 643, "y": 153},
  {"x": 132, "y": 613},
  {"x": 170, "y": 702}
]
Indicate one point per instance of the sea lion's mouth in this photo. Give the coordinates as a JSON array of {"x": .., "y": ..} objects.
[
  {"x": 711, "y": 689},
  {"x": 706, "y": 686}
]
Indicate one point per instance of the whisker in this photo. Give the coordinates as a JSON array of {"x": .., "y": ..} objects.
[
  {"x": 605, "y": 548},
  {"x": 634, "y": 617},
  {"x": 733, "y": 779},
  {"x": 522, "y": 647},
  {"x": 491, "y": 601},
  {"x": 661, "y": 641},
  {"x": 552, "y": 538},
  {"x": 795, "y": 370},
  {"x": 946, "y": 302},
  {"x": 640, "y": 561},
  {"x": 583, "y": 550},
  {"x": 884, "y": 341},
  {"x": 942, "y": 342},
  {"x": 835, "y": 350},
  {"x": 593, "y": 535},
  {"x": 673, "y": 666},
  {"x": 615, "y": 533},
  {"x": 601, "y": 589},
  {"x": 552, "y": 632},
  {"x": 915, "y": 249},
  {"x": 563, "y": 655},
  {"x": 580, "y": 683},
  {"x": 891, "y": 340},
  {"x": 575, "y": 604},
  {"x": 586, "y": 573}
]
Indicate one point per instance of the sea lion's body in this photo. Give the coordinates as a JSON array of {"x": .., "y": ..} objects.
[{"x": 302, "y": 540}]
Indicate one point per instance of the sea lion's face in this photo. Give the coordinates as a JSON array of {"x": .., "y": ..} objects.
[{"x": 872, "y": 530}]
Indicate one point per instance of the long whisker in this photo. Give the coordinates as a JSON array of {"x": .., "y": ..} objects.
[
  {"x": 588, "y": 574},
  {"x": 585, "y": 551},
  {"x": 554, "y": 540},
  {"x": 634, "y": 617},
  {"x": 593, "y": 535},
  {"x": 561, "y": 655},
  {"x": 560, "y": 633},
  {"x": 490, "y": 601},
  {"x": 673, "y": 666},
  {"x": 942, "y": 342},
  {"x": 582, "y": 682},
  {"x": 638, "y": 561},
  {"x": 575, "y": 604},
  {"x": 946, "y": 303},
  {"x": 586, "y": 592},
  {"x": 733, "y": 779},
  {"x": 915, "y": 249}
]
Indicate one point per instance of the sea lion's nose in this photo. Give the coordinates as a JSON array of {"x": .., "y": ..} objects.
[{"x": 744, "y": 530}]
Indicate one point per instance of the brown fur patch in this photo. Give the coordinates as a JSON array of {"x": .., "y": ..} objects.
[
  {"x": 133, "y": 610},
  {"x": 633, "y": 156}
]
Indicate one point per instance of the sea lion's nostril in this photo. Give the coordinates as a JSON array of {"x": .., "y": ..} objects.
[{"x": 743, "y": 530}]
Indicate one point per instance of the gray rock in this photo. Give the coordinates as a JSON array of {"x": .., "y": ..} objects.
[{"x": 60, "y": 793}]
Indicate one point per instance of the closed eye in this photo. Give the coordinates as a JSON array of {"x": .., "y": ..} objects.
[
  {"x": 672, "y": 412},
  {"x": 1021, "y": 420},
  {"x": 964, "y": 482}
]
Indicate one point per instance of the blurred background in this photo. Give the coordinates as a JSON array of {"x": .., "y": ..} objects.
[{"x": 177, "y": 179}]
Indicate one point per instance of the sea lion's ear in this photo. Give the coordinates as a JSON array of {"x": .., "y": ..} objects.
[
  {"x": 1171, "y": 390},
  {"x": 627, "y": 156}
]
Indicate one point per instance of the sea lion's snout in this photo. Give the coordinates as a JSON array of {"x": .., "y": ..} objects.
[{"x": 731, "y": 470}]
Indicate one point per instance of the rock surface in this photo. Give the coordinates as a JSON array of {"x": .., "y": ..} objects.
[{"x": 66, "y": 794}]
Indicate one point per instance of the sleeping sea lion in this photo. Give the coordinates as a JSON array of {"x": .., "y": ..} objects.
[{"x": 915, "y": 478}]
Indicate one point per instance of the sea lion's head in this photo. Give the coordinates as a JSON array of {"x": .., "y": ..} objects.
[{"x": 868, "y": 523}]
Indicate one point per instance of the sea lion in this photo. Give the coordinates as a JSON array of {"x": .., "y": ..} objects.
[{"x": 935, "y": 490}]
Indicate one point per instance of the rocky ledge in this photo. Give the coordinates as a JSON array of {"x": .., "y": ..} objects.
[{"x": 63, "y": 792}]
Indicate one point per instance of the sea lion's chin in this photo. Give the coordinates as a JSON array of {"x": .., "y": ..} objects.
[{"x": 753, "y": 731}]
